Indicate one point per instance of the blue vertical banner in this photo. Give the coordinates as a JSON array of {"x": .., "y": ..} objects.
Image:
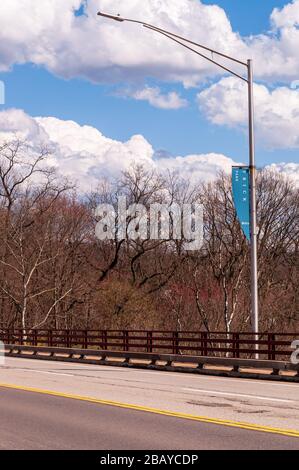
[{"x": 241, "y": 197}]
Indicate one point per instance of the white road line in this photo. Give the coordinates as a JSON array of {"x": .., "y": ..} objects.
[
  {"x": 243, "y": 395},
  {"x": 53, "y": 373},
  {"x": 168, "y": 374},
  {"x": 45, "y": 372},
  {"x": 203, "y": 391},
  {"x": 50, "y": 363},
  {"x": 219, "y": 379}
]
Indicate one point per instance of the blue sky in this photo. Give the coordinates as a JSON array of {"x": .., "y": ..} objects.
[
  {"x": 249, "y": 16},
  {"x": 179, "y": 132}
]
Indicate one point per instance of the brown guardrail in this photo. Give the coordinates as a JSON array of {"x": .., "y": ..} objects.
[
  {"x": 249, "y": 368},
  {"x": 272, "y": 346}
]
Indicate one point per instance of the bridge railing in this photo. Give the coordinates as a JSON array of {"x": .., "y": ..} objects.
[{"x": 272, "y": 346}]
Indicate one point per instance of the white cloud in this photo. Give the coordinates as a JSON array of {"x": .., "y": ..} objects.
[
  {"x": 84, "y": 155},
  {"x": 276, "y": 112},
  {"x": 199, "y": 167},
  {"x": 156, "y": 98},
  {"x": 16, "y": 122},
  {"x": 288, "y": 16},
  {"x": 291, "y": 170},
  {"x": 48, "y": 33}
]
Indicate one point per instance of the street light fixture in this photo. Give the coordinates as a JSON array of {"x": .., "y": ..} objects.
[{"x": 252, "y": 168}]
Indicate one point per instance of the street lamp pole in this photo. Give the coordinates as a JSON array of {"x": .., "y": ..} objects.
[
  {"x": 253, "y": 216},
  {"x": 186, "y": 43}
]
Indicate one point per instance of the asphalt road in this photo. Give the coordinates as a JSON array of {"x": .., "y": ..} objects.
[
  {"x": 40, "y": 421},
  {"x": 34, "y": 421}
]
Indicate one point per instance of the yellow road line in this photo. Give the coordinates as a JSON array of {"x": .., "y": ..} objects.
[{"x": 203, "y": 419}]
